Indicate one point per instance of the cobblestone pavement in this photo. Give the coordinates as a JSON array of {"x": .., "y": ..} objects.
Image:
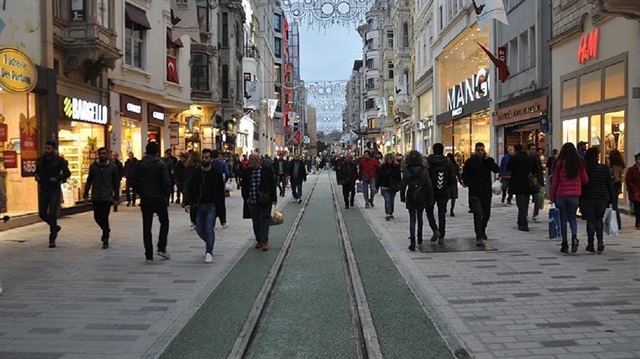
[{"x": 525, "y": 299}]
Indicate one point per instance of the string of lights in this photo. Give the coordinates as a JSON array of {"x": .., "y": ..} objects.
[{"x": 321, "y": 14}]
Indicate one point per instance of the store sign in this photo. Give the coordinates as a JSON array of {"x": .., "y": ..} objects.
[
  {"x": 588, "y": 46},
  {"x": 523, "y": 111},
  {"x": 174, "y": 131},
  {"x": 457, "y": 112},
  {"x": 28, "y": 145},
  {"x": 156, "y": 114},
  {"x": 469, "y": 90},
  {"x": 4, "y": 131},
  {"x": 131, "y": 107},
  {"x": 83, "y": 110},
  {"x": 17, "y": 71},
  {"x": 10, "y": 159}
]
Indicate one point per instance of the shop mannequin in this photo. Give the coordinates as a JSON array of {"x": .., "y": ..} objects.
[
  {"x": 621, "y": 138},
  {"x": 609, "y": 139},
  {"x": 595, "y": 139}
]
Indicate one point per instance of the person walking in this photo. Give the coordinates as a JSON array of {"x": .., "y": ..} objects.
[
  {"x": 178, "y": 173},
  {"x": 297, "y": 175},
  {"x": 632, "y": 181},
  {"x": 237, "y": 170},
  {"x": 221, "y": 209},
  {"x": 453, "y": 189},
  {"x": 202, "y": 195},
  {"x": 505, "y": 175},
  {"x": 189, "y": 168},
  {"x": 416, "y": 192},
  {"x": 537, "y": 180},
  {"x": 442, "y": 178},
  {"x": 597, "y": 195},
  {"x": 388, "y": 180},
  {"x": 129, "y": 191},
  {"x": 616, "y": 163},
  {"x": 103, "y": 180},
  {"x": 477, "y": 178},
  {"x": 281, "y": 168},
  {"x": 120, "y": 167},
  {"x": 170, "y": 163},
  {"x": 549, "y": 165},
  {"x": 346, "y": 175},
  {"x": 367, "y": 173},
  {"x": 151, "y": 180},
  {"x": 569, "y": 175},
  {"x": 51, "y": 171},
  {"x": 520, "y": 167},
  {"x": 259, "y": 194}
]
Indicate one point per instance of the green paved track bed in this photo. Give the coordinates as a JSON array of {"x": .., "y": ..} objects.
[
  {"x": 212, "y": 331},
  {"x": 404, "y": 329},
  {"x": 309, "y": 315}
]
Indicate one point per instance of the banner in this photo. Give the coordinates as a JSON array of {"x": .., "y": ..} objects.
[
  {"x": 184, "y": 18},
  {"x": 28, "y": 145},
  {"x": 252, "y": 94},
  {"x": 500, "y": 63},
  {"x": 296, "y": 137},
  {"x": 10, "y": 159},
  {"x": 271, "y": 107},
  {"x": 401, "y": 89},
  {"x": 489, "y": 9}
]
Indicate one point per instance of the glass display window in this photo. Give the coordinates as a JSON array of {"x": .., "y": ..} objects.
[
  {"x": 570, "y": 131},
  {"x": 602, "y": 131},
  {"x": 480, "y": 132},
  {"x": 614, "y": 80},
  {"x": 569, "y": 93},
  {"x": 613, "y": 130},
  {"x": 591, "y": 87},
  {"x": 462, "y": 138},
  {"x": 583, "y": 129},
  {"x": 446, "y": 137},
  {"x": 78, "y": 143},
  {"x": 130, "y": 137}
]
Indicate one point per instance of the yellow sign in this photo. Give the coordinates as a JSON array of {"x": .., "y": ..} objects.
[{"x": 17, "y": 71}]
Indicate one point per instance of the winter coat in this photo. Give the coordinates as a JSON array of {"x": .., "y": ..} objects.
[
  {"x": 504, "y": 172},
  {"x": 223, "y": 166},
  {"x": 347, "y": 173},
  {"x": 425, "y": 181},
  {"x": 104, "y": 182},
  {"x": 276, "y": 167},
  {"x": 599, "y": 186},
  {"x": 128, "y": 167},
  {"x": 441, "y": 166},
  {"x": 120, "y": 168},
  {"x": 151, "y": 179},
  {"x": 301, "y": 175},
  {"x": 204, "y": 187},
  {"x": 267, "y": 184},
  {"x": 520, "y": 165},
  {"x": 51, "y": 172},
  {"x": 563, "y": 186},
  {"x": 633, "y": 183},
  {"x": 389, "y": 176},
  {"x": 476, "y": 175},
  {"x": 178, "y": 172},
  {"x": 368, "y": 167}
]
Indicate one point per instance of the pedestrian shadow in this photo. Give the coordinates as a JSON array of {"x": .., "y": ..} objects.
[{"x": 455, "y": 245}]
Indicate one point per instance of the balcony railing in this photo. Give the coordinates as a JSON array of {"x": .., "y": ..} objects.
[{"x": 251, "y": 52}]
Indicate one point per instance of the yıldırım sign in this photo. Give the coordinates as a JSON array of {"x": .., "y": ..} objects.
[
  {"x": 469, "y": 90},
  {"x": 83, "y": 110},
  {"x": 17, "y": 71}
]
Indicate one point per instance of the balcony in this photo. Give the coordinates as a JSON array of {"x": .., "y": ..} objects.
[{"x": 251, "y": 52}]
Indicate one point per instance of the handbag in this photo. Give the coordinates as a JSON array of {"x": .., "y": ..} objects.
[
  {"x": 554, "y": 222},
  {"x": 610, "y": 221},
  {"x": 359, "y": 188},
  {"x": 496, "y": 187},
  {"x": 228, "y": 187}
]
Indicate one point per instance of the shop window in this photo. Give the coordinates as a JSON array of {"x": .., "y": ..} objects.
[
  {"x": 130, "y": 137},
  {"x": 569, "y": 93},
  {"x": 480, "y": 132},
  {"x": 200, "y": 71},
  {"x": 446, "y": 136},
  {"x": 583, "y": 129},
  {"x": 591, "y": 87},
  {"x": 570, "y": 131},
  {"x": 614, "y": 135},
  {"x": 134, "y": 44},
  {"x": 614, "y": 82},
  {"x": 595, "y": 134}
]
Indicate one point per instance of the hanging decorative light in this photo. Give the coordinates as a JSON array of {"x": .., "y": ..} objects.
[{"x": 321, "y": 14}]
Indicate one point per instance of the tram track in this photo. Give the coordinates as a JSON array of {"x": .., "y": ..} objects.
[{"x": 365, "y": 335}]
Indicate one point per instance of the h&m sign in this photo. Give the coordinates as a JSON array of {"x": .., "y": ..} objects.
[
  {"x": 588, "y": 46},
  {"x": 469, "y": 90}
]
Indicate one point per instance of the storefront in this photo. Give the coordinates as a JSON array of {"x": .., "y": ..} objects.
[
  {"x": 156, "y": 124},
  {"x": 523, "y": 123},
  {"x": 20, "y": 131},
  {"x": 130, "y": 126}
]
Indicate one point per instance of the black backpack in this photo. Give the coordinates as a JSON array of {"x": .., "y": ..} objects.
[{"x": 416, "y": 193}]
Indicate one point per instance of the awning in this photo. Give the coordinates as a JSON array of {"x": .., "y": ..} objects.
[
  {"x": 137, "y": 16},
  {"x": 177, "y": 41}
]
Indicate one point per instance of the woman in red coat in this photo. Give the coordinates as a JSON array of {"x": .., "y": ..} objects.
[{"x": 633, "y": 187}]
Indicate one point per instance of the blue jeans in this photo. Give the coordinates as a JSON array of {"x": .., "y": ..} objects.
[
  {"x": 567, "y": 207},
  {"x": 415, "y": 215},
  {"x": 296, "y": 188},
  {"x": 205, "y": 221},
  {"x": 369, "y": 190},
  {"x": 389, "y": 199}
]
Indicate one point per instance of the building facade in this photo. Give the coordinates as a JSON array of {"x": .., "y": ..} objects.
[{"x": 422, "y": 60}]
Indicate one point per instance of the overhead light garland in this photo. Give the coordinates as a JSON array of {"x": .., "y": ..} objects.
[
  {"x": 325, "y": 13},
  {"x": 328, "y": 98}
]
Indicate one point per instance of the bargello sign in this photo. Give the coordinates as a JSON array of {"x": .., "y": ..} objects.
[{"x": 469, "y": 90}]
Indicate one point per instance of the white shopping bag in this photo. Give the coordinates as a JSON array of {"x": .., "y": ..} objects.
[
  {"x": 613, "y": 224},
  {"x": 496, "y": 188}
]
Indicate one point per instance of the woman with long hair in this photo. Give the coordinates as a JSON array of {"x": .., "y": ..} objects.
[
  {"x": 569, "y": 175},
  {"x": 453, "y": 189},
  {"x": 417, "y": 192},
  {"x": 616, "y": 163},
  {"x": 189, "y": 168},
  {"x": 597, "y": 195},
  {"x": 388, "y": 180}
]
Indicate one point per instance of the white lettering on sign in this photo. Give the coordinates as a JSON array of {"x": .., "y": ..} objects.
[
  {"x": 469, "y": 90},
  {"x": 88, "y": 111},
  {"x": 131, "y": 107},
  {"x": 158, "y": 115},
  {"x": 457, "y": 111}
]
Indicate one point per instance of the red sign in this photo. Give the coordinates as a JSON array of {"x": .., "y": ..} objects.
[
  {"x": 28, "y": 145},
  {"x": 10, "y": 159},
  {"x": 588, "y": 46},
  {"x": 172, "y": 70},
  {"x": 502, "y": 54},
  {"x": 4, "y": 130},
  {"x": 296, "y": 137}
]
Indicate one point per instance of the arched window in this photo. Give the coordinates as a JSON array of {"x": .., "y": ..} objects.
[{"x": 405, "y": 34}]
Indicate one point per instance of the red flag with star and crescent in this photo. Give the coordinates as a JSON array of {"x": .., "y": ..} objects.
[{"x": 172, "y": 70}]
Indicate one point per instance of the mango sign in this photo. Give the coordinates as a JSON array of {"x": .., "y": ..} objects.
[{"x": 17, "y": 71}]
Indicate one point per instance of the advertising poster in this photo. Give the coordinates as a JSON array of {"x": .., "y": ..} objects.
[{"x": 28, "y": 145}]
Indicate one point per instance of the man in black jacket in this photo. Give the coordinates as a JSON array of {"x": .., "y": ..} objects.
[
  {"x": 442, "y": 178},
  {"x": 259, "y": 194},
  {"x": 477, "y": 178},
  {"x": 297, "y": 175},
  {"x": 179, "y": 176},
  {"x": 103, "y": 179},
  {"x": 347, "y": 174},
  {"x": 520, "y": 167},
  {"x": 129, "y": 191},
  {"x": 150, "y": 179},
  {"x": 280, "y": 168},
  {"x": 51, "y": 171},
  {"x": 203, "y": 193},
  {"x": 120, "y": 167}
]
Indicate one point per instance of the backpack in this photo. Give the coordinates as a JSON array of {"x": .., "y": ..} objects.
[
  {"x": 416, "y": 193},
  {"x": 440, "y": 177}
]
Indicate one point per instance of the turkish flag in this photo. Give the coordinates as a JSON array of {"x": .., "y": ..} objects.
[
  {"x": 172, "y": 70},
  {"x": 500, "y": 63},
  {"x": 296, "y": 137}
]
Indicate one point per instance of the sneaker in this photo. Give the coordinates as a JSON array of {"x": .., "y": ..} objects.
[
  {"x": 590, "y": 248},
  {"x": 105, "y": 243},
  {"x": 52, "y": 244},
  {"x": 535, "y": 219},
  {"x": 391, "y": 216},
  {"x": 366, "y": 205},
  {"x": 225, "y": 225},
  {"x": 165, "y": 255},
  {"x": 149, "y": 260},
  {"x": 387, "y": 217},
  {"x": 479, "y": 243},
  {"x": 258, "y": 245},
  {"x": 208, "y": 258},
  {"x": 193, "y": 226},
  {"x": 524, "y": 229},
  {"x": 265, "y": 246}
]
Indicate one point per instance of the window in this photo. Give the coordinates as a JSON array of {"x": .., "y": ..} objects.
[
  {"x": 405, "y": 74},
  {"x": 590, "y": 87},
  {"x": 370, "y": 84},
  {"x": 390, "y": 39},
  {"x": 277, "y": 22},
  {"x": 277, "y": 47},
  {"x": 199, "y": 71},
  {"x": 277, "y": 73},
  {"x": 523, "y": 44},
  {"x": 614, "y": 81},
  {"x": 225, "y": 29},
  {"x": 172, "y": 55},
  {"x": 369, "y": 104},
  {"x": 440, "y": 20},
  {"x": 369, "y": 64},
  {"x": 103, "y": 13},
  {"x": 532, "y": 47},
  {"x": 203, "y": 15},
  {"x": 225, "y": 81},
  {"x": 370, "y": 24},
  {"x": 569, "y": 93},
  {"x": 512, "y": 58},
  {"x": 239, "y": 36},
  {"x": 57, "y": 9},
  {"x": 371, "y": 122},
  {"x": 570, "y": 131},
  {"x": 390, "y": 69},
  {"x": 405, "y": 34},
  {"x": 134, "y": 44}
]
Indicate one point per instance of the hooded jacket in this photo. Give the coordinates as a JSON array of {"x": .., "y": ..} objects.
[
  {"x": 103, "y": 180},
  {"x": 151, "y": 179},
  {"x": 476, "y": 175},
  {"x": 442, "y": 175},
  {"x": 54, "y": 167}
]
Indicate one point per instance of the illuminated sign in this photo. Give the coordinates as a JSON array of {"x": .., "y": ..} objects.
[
  {"x": 157, "y": 115},
  {"x": 83, "y": 110},
  {"x": 17, "y": 72},
  {"x": 469, "y": 90},
  {"x": 588, "y": 46},
  {"x": 457, "y": 112},
  {"x": 132, "y": 107}
]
